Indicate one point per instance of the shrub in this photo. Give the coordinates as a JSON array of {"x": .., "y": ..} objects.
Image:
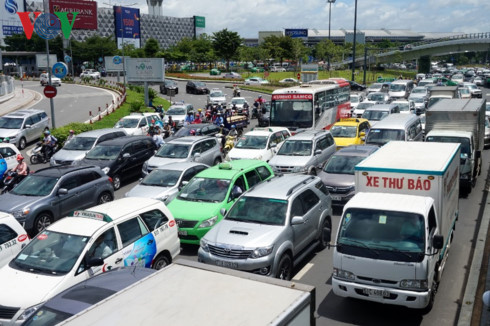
[
  {"x": 136, "y": 106},
  {"x": 61, "y": 133}
]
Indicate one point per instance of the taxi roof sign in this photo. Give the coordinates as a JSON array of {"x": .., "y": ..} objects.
[{"x": 92, "y": 215}]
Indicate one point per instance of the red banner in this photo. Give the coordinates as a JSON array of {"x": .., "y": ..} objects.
[
  {"x": 87, "y": 12},
  {"x": 292, "y": 97}
]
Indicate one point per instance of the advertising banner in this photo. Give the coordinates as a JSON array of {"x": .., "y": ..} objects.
[
  {"x": 141, "y": 70},
  {"x": 87, "y": 12},
  {"x": 42, "y": 60},
  {"x": 9, "y": 20},
  {"x": 296, "y": 33},
  {"x": 127, "y": 22}
]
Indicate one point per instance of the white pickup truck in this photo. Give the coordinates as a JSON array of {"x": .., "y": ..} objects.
[{"x": 90, "y": 73}]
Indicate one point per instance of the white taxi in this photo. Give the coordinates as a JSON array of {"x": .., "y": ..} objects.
[
  {"x": 125, "y": 232},
  {"x": 13, "y": 238},
  {"x": 259, "y": 144},
  {"x": 9, "y": 153}
]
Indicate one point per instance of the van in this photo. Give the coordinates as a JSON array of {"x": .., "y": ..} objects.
[
  {"x": 404, "y": 127},
  {"x": 400, "y": 88},
  {"x": 378, "y": 112}
]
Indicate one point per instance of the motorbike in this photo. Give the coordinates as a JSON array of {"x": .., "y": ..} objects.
[
  {"x": 208, "y": 115},
  {"x": 236, "y": 93},
  {"x": 38, "y": 155},
  {"x": 11, "y": 179},
  {"x": 229, "y": 144}
]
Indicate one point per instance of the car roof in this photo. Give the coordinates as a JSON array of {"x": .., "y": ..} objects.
[
  {"x": 266, "y": 130},
  {"x": 180, "y": 166},
  {"x": 188, "y": 139},
  {"x": 99, "y": 132},
  {"x": 281, "y": 186},
  {"x": 23, "y": 113},
  {"x": 309, "y": 134},
  {"x": 357, "y": 150},
  {"x": 57, "y": 171},
  {"x": 350, "y": 121},
  {"x": 380, "y": 107},
  {"x": 122, "y": 140},
  {"x": 229, "y": 170}
]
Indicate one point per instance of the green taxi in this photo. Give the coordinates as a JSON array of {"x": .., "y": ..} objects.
[{"x": 205, "y": 199}]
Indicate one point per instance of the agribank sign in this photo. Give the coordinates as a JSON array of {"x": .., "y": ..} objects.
[{"x": 46, "y": 25}]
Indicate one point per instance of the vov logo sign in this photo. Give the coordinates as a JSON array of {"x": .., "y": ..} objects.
[{"x": 46, "y": 25}]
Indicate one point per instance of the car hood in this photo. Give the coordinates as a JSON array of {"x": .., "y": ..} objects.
[
  {"x": 344, "y": 141},
  {"x": 238, "y": 153},
  {"x": 36, "y": 288},
  {"x": 64, "y": 155},
  {"x": 337, "y": 180},
  {"x": 284, "y": 160},
  {"x": 101, "y": 163},
  {"x": 217, "y": 99},
  {"x": 160, "y": 161},
  {"x": 241, "y": 235},
  {"x": 195, "y": 211},
  {"x": 8, "y": 133},
  {"x": 149, "y": 191},
  {"x": 10, "y": 202}
]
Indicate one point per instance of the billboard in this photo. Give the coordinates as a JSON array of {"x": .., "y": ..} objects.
[
  {"x": 296, "y": 33},
  {"x": 9, "y": 20},
  {"x": 42, "y": 60},
  {"x": 127, "y": 21},
  {"x": 87, "y": 12},
  {"x": 140, "y": 70},
  {"x": 111, "y": 64}
]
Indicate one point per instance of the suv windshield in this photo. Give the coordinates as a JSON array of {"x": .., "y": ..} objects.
[
  {"x": 51, "y": 253},
  {"x": 259, "y": 210},
  {"x": 176, "y": 111},
  {"x": 344, "y": 131},
  {"x": 397, "y": 87},
  {"x": 10, "y": 123},
  {"x": 376, "y": 97},
  {"x": 216, "y": 94},
  {"x": 342, "y": 164},
  {"x": 35, "y": 185},
  {"x": 374, "y": 115},
  {"x": 161, "y": 178},
  {"x": 382, "y": 136},
  {"x": 252, "y": 142},
  {"x": 104, "y": 152},
  {"x": 127, "y": 123},
  {"x": 173, "y": 151},
  {"x": 205, "y": 189},
  {"x": 293, "y": 147},
  {"x": 80, "y": 144}
]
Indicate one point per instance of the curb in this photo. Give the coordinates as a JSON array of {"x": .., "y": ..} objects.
[{"x": 5, "y": 98}]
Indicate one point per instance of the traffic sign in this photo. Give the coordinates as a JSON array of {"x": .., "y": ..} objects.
[
  {"x": 60, "y": 69},
  {"x": 299, "y": 76},
  {"x": 50, "y": 91},
  {"x": 117, "y": 60}
]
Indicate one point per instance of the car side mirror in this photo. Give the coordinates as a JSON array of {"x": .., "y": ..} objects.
[
  {"x": 183, "y": 184},
  {"x": 296, "y": 220},
  {"x": 196, "y": 155},
  {"x": 438, "y": 241},
  {"x": 27, "y": 126},
  {"x": 126, "y": 155},
  {"x": 318, "y": 151},
  {"x": 222, "y": 211},
  {"x": 94, "y": 261},
  {"x": 362, "y": 134},
  {"x": 62, "y": 191},
  {"x": 273, "y": 145}
]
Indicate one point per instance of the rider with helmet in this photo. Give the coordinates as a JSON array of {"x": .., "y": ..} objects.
[
  {"x": 49, "y": 143},
  {"x": 197, "y": 118},
  {"x": 192, "y": 132},
  {"x": 71, "y": 135},
  {"x": 21, "y": 168},
  {"x": 233, "y": 132}
]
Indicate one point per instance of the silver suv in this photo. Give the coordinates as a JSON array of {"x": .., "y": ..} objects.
[
  {"x": 271, "y": 227},
  {"x": 304, "y": 152},
  {"x": 201, "y": 149},
  {"x": 23, "y": 126}
]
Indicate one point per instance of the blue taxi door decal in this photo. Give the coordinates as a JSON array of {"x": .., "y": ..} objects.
[{"x": 142, "y": 252}]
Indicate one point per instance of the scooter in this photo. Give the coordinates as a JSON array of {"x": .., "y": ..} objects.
[
  {"x": 236, "y": 92},
  {"x": 38, "y": 155},
  {"x": 11, "y": 179},
  {"x": 229, "y": 144}
]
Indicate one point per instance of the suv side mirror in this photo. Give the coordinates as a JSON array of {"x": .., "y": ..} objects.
[
  {"x": 296, "y": 220},
  {"x": 318, "y": 151},
  {"x": 27, "y": 126},
  {"x": 62, "y": 191},
  {"x": 183, "y": 184},
  {"x": 438, "y": 241},
  {"x": 94, "y": 261}
]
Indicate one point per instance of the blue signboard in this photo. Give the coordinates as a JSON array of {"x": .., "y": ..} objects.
[
  {"x": 60, "y": 69},
  {"x": 296, "y": 32},
  {"x": 127, "y": 21},
  {"x": 117, "y": 60},
  {"x": 67, "y": 59}
]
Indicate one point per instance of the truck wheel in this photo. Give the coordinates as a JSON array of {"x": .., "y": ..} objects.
[
  {"x": 325, "y": 234},
  {"x": 285, "y": 268}
]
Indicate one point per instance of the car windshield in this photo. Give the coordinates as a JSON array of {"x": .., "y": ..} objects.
[
  {"x": 344, "y": 131},
  {"x": 199, "y": 84},
  {"x": 397, "y": 87},
  {"x": 403, "y": 106},
  {"x": 127, "y": 123},
  {"x": 376, "y": 97},
  {"x": 176, "y": 111},
  {"x": 169, "y": 150},
  {"x": 252, "y": 142},
  {"x": 104, "y": 152},
  {"x": 364, "y": 105},
  {"x": 183, "y": 132},
  {"x": 205, "y": 189},
  {"x": 259, "y": 210},
  {"x": 421, "y": 90},
  {"x": 238, "y": 101},
  {"x": 216, "y": 94},
  {"x": 162, "y": 178},
  {"x": 10, "y": 123},
  {"x": 293, "y": 147},
  {"x": 464, "y": 90},
  {"x": 35, "y": 185},
  {"x": 354, "y": 99},
  {"x": 80, "y": 144},
  {"x": 382, "y": 136},
  {"x": 51, "y": 253},
  {"x": 470, "y": 86},
  {"x": 342, "y": 164},
  {"x": 47, "y": 316},
  {"x": 376, "y": 86},
  {"x": 374, "y": 115},
  {"x": 418, "y": 99}
]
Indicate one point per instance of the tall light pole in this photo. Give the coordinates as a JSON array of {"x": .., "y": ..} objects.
[
  {"x": 354, "y": 49},
  {"x": 329, "y": 21}
]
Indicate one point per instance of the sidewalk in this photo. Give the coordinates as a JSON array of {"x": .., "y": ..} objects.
[{"x": 21, "y": 98}]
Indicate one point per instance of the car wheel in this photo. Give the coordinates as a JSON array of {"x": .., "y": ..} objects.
[
  {"x": 22, "y": 143},
  {"x": 160, "y": 262},
  {"x": 325, "y": 234},
  {"x": 116, "y": 182},
  {"x": 104, "y": 198},
  {"x": 42, "y": 221},
  {"x": 285, "y": 268}
]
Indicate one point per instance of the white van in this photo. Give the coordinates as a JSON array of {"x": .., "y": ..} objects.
[
  {"x": 404, "y": 127},
  {"x": 400, "y": 88}
]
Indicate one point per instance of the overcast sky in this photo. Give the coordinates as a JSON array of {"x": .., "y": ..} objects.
[{"x": 247, "y": 17}]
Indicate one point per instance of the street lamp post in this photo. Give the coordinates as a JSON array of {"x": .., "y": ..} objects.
[
  {"x": 329, "y": 21},
  {"x": 354, "y": 49}
]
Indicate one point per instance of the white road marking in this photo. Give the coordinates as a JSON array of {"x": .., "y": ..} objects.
[{"x": 302, "y": 272}]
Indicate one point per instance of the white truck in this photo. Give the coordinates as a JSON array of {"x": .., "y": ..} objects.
[
  {"x": 460, "y": 121},
  {"x": 438, "y": 93},
  {"x": 394, "y": 234},
  {"x": 190, "y": 293}
]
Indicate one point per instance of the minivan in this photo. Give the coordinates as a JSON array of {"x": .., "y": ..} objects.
[
  {"x": 405, "y": 127},
  {"x": 400, "y": 88},
  {"x": 378, "y": 112}
]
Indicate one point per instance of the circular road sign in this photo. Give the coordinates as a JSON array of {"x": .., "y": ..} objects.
[
  {"x": 298, "y": 76},
  {"x": 60, "y": 69},
  {"x": 67, "y": 59},
  {"x": 50, "y": 91},
  {"x": 117, "y": 60}
]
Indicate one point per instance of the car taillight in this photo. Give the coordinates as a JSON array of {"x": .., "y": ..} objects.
[{"x": 110, "y": 180}]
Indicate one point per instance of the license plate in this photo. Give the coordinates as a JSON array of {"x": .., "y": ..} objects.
[
  {"x": 376, "y": 293},
  {"x": 227, "y": 264},
  {"x": 337, "y": 198},
  {"x": 182, "y": 232}
]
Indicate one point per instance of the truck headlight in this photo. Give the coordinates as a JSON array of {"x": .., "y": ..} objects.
[
  {"x": 209, "y": 222},
  {"x": 346, "y": 275},
  {"x": 261, "y": 252},
  {"x": 106, "y": 169},
  {"x": 29, "y": 311},
  {"x": 414, "y": 284},
  {"x": 204, "y": 245}
]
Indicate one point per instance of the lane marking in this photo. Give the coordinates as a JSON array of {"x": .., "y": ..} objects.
[{"x": 303, "y": 271}]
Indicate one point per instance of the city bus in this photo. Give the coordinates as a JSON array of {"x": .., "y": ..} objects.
[{"x": 315, "y": 105}]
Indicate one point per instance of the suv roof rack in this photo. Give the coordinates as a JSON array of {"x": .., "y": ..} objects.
[{"x": 307, "y": 180}]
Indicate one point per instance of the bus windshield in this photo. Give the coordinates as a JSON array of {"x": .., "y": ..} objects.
[{"x": 297, "y": 113}]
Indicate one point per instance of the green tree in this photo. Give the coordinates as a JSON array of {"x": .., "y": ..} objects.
[
  {"x": 151, "y": 48},
  {"x": 93, "y": 48},
  {"x": 226, "y": 44}
]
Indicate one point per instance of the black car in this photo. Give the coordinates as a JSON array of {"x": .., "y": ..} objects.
[
  {"x": 201, "y": 129},
  {"x": 169, "y": 85},
  {"x": 121, "y": 158},
  {"x": 196, "y": 87},
  {"x": 356, "y": 86}
]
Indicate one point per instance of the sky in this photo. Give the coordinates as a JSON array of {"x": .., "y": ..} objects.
[{"x": 248, "y": 17}]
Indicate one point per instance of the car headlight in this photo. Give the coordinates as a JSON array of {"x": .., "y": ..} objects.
[
  {"x": 106, "y": 169},
  {"x": 29, "y": 311},
  {"x": 299, "y": 169},
  {"x": 145, "y": 166},
  {"x": 163, "y": 199},
  {"x": 204, "y": 245},
  {"x": 340, "y": 273},
  {"x": 209, "y": 222},
  {"x": 261, "y": 252},
  {"x": 414, "y": 284},
  {"x": 21, "y": 213}
]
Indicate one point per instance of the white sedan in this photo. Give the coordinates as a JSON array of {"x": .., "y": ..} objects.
[
  {"x": 256, "y": 81},
  {"x": 13, "y": 238}
]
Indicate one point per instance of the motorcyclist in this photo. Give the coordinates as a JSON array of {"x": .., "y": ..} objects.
[
  {"x": 219, "y": 119},
  {"x": 159, "y": 110},
  {"x": 236, "y": 91},
  {"x": 48, "y": 145},
  {"x": 233, "y": 132},
  {"x": 21, "y": 168},
  {"x": 197, "y": 119},
  {"x": 188, "y": 119},
  {"x": 71, "y": 135}
]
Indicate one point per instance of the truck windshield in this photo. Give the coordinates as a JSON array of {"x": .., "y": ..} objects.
[
  {"x": 390, "y": 235},
  {"x": 465, "y": 142},
  {"x": 382, "y": 136}
]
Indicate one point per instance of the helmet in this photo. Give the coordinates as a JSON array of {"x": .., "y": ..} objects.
[
  {"x": 221, "y": 125},
  {"x": 193, "y": 132},
  {"x": 197, "y": 114},
  {"x": 20, "y": 157},
  {"x": 47, "y": 132},
  {"x": 199, "y": 110},
  {"x": 71, "y": 131},
  {"x": 260, "y": 96},
  {"x": 233, "y": 126}
]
